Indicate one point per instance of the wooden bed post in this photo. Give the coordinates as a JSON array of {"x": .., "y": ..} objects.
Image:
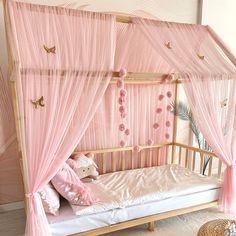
[
  {"x": 175, "y": 123},
  {"x": 151, "y": 226},
  {"x": 14, "y": 102}
]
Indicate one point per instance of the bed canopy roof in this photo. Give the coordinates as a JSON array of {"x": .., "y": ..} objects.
[
  {"x": 182, "y": 48},
  {"x": 62, "y": 62}
]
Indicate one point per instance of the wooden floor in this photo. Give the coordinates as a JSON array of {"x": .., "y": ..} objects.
[{"x": 12, "y": 223}]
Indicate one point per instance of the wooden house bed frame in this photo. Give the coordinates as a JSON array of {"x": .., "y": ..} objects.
[
  {"x": 185, "y": 155},
  {"x": 175, "y": 153}
]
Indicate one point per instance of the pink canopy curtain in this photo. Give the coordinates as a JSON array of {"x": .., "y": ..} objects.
[
  {"x": 141, "y": 103},
  {"x": 209, "y": 81},
  {"x": 67, "y": 57}
]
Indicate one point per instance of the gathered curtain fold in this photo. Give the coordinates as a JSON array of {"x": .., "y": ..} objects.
[
  {"x": 71, "y": 78},
  {"x": 208, "y": 72}
]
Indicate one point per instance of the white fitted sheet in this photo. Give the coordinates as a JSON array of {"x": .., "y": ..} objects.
[
  {"x": 136, "y": 193},
  {"x": 138, "y": 186},
  {"x": 68, "y": 223}
]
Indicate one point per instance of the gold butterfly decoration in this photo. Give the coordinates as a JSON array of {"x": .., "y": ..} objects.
[
  {"x": 224, "y": 102},
  {"x": 50, "y": 50},
  {"x": 38, "y": 102},
  {"x": 201, "y": 56},
  {"x": 168, "y": 45}
]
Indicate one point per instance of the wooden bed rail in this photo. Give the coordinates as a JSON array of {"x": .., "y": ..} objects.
[
  {"x": 193, "y": 158},
  {"x": 168, "y": 153}
]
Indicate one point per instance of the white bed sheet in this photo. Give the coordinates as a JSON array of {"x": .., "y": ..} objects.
[
  {"x": 68, "y": 223},
  {"x": 138, "y": 186}
]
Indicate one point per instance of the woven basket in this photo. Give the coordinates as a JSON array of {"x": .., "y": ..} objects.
[{"x": 216, "y": 228}]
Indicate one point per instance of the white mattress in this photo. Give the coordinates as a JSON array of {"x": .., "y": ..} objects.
[
  {"x": 138, "y": 186},
  {"x": 136, "y": 193}
]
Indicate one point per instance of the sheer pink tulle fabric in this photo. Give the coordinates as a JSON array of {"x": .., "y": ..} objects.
[
  {"x": 142, "y": 101},
  {"x": 50, "y": 134},
  {"x": 210, "y": 80}
]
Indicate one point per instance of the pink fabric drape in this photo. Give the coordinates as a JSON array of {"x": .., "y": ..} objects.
[
  {"x": 72, "y": 81},
  {"x": 142, "y": 100},
  {"x": 210, "y": 77}
]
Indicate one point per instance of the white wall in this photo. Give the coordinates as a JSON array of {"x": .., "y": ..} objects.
[{"x": 221, "y": 16}]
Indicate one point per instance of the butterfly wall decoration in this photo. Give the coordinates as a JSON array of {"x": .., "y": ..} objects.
[
  {"x": 50, "y": 50},
  {"x": 168, "y": 45},
  {"x": 200, "y": 56},
  {"x": 38, "y": 102},
  {"x": 224, "y": 102}
]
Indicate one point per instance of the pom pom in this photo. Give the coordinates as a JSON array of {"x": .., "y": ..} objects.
[
  {"x": 136, "y": 148},
  {"x": 122, "y": 72},
  {"x": 159, "y": 110},
  {"x": 122, "y": 143},
  {"x": 123, "y": 92},
  {"x": 163, "y": 80},
  {"x": 156, "y": 126},
  {"x": 168, "y": 123},
  {"x": 160, "y": 97},
  {"x": 122, "y": 109},
  {"x": 171, "y": 77},
  {"x": 123, "y": 115},
  {"x": 121, "y": 127},
  {"x": 150, "y": 142},
  {"x": 168, "y": 108},
  {"x": 167, "y": 136},
  {"x": 169, "y": 94},
  {"x": 120, "y": 83},
  {"x": 121, "y": 101},
  {"x": 127, "y": 131}
]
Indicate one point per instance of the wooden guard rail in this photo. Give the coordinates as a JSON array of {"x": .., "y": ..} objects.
[{"x": 119, "y": 159}]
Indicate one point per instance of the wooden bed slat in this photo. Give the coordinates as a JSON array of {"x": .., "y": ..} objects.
[
  {"x": 186, "y": 157},
  {"x": 150, "y": 158},
  {"x": 173, "y": 154},
  {"x": 210, "y": 166},
  {"x": 180, "y": 155},
  {"x": 219, "y": 168},
  {"x": 194, "y": 160},
  {"x": 132, "y": 159},
  {"x": 113, "y": 162},
  {"x": 158, "y": 157},
  {"x": 123, "y": 161},
  {"x": 201, "y": 163},
  {"x": 167, "y": 155},
  {"x": 104, "y": 165}
]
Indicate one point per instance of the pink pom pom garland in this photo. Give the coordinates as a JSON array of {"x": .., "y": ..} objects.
[
  {"x": 125, "y": 132},
  {"x": 150, "y": 142},
  {"x": 168, "y": 124},
  {"x": 122, "y": 143},
  {"x": 122, "y": 72},
  {"x": 120, "y": 83},
  {"x": 123, "y": 93},
  {"x": 168, "y": 107},
  {"x": 169, "y": 94},
  {"x": 137, "y": 148},
  {"x": 160, "y": 97},
  {"x": 167, "y": 136},
  {"x": 121, "y": 101},
  {"x": 156, "y": 126},
  {"x": 121, "y": 127},
  {"x": 158, "y": 110}
]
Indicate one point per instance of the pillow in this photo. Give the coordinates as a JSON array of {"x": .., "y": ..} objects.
[
  {"x": 68, "y": 184},
  {"x": 50, "y": 199},
  {"x": 84, "y": 166}
]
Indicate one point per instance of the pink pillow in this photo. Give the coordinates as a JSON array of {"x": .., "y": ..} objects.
[
  {"x": 50, "y": 199},
  {"x": 68, "y": 184}
]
